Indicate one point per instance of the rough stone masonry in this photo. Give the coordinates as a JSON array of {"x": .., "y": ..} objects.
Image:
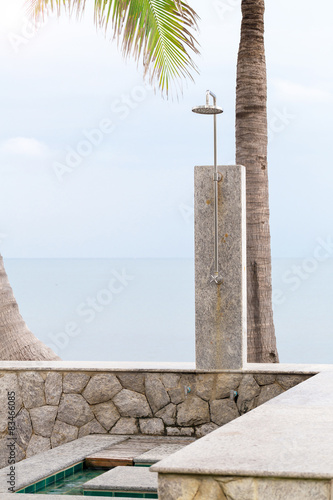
[{"x": 53, "y": 407}]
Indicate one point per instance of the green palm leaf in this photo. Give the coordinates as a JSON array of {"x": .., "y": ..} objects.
[{"x": 158, "y": 31}]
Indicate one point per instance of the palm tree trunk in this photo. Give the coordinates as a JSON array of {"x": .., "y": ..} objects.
[
  {"x": 16, "y": 340},
  {"x": 251, "y": 151}
]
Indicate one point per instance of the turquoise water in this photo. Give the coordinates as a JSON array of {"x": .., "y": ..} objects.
[
  {"x": 84, "y": 312},
  {"x": 71, "y": 485}
]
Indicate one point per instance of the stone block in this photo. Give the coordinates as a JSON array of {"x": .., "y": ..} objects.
[
  {"x": 288, "y": 489},
  {"x": 168, "y": 414},
  {"x": 63, "y": 433},
  {"x": 38, "y": 444},
  {"x": 43, "y": 419},
  {"x": 204, "y": 386},
  {"x": 220, "y": 310},
  {"x": 74, "y": 410},
  {"x": 235, "y": 488},
  {"x": 170, "y": 380},
  {"x": 74, "y": 383},
  {"x": 125, "y": 426},
  {"x": 264, "y": 378},
  {"x": 177, "y": 395},
  {"x": 247, "y": 391},
  {"x": 203, "y": 430},
  {"x": 223, "y": 411},
  {"x": 176, "y": 487},
  {"x": 101, "y": 388},
  {"x": 226, "y": 382},
  {"x": 156, "y": 393},
  {"x": 132, "y": 381},
  {"x": 151, "y": 426},
  {"x": 106, "y": 414},
  {"x": 180, "y": 431},
  {"x": 268, "y": 392},
  {"x": 23, "y": 428},
  {"x": 289, "y": 381},
  {"x": 92, "y": 427},
  {"x": 32, "y": 389},
  {"x": 132, "y": 404},
  {"x": 53, "y": 388},
  {"x": 193, "y": 411}
]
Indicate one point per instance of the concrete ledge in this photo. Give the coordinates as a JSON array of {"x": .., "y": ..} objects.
[
  {"x": 290, "y": 436},
  {"x": 101, "y": 366}
]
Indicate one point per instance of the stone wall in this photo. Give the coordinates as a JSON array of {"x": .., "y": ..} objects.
[{"x": 54, "y": 407}]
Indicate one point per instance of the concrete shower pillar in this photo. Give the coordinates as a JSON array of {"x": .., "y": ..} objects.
[{"x": 220, "y": 310}]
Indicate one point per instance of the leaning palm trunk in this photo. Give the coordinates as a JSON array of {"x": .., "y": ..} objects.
[
  {"x": 251, "y": 151},
  {"x": 16, "y": 340}
]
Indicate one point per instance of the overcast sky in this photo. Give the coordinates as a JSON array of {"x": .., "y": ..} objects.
[{"x": 129, "y": 193}]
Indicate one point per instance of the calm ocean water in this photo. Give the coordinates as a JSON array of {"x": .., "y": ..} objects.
[{"x": 143, "y": 309}]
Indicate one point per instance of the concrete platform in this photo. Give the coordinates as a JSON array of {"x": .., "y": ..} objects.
[
  {"x": 283, "y": 449},
  {"x": 124, "y": 479}
]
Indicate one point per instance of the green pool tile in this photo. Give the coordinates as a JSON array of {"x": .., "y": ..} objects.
[
  {"x": 30, "y": 489},
  {"x": 49, "y": 480},
  {"x": 98, "y": 493},
  {"x": 69, "y": 472},
  {"x": 128, "y": 494},
  {"x": 40, "y": 485},
  {"x": 59, "y": 475},
  {"x": 78, "y": 467}
]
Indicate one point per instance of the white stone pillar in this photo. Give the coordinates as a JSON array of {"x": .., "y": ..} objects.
[{"x": 220, "y": 310}]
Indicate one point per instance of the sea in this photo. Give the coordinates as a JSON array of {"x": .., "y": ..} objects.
[{"x": 143, "y": 309}]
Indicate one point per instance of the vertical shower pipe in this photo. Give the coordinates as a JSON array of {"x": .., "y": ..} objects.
[
  {"x": 217, "y": 177},
  {"x": 207, "y": 109}
]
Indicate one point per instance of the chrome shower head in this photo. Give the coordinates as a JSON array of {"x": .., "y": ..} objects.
[{"x": 207, "y": 110}]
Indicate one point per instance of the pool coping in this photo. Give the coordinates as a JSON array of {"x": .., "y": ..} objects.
[{"x": 101, "y": 366}]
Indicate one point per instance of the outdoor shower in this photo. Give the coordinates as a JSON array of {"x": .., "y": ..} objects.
[{"x": 209, "y": 109}]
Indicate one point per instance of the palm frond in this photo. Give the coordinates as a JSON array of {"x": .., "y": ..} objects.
[{"x": 158, "y": 32}]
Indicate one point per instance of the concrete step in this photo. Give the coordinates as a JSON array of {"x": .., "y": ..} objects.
[{"x": 136, "y": 481}]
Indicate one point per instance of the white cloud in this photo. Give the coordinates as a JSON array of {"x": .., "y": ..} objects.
[
  {"x": 24, "y": 146},
  {"x": 291, "y": 91}
]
